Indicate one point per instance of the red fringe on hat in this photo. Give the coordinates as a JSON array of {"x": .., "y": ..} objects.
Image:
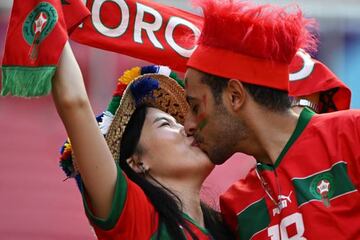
[{"x": 264, "y": 31}]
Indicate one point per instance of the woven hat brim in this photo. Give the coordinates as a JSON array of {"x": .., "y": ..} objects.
[{"x": 168, "y": 97}]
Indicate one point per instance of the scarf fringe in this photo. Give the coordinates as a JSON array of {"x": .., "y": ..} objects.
[{"x": 27, "y": 81}]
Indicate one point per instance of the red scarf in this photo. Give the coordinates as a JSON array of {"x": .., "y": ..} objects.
[
  {"x": 145, "y": 30},
  {"x": 141, "y": 29},
  {"x": 36, "y": 36}
]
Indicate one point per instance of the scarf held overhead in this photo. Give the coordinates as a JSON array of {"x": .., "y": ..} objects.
[
  {"x": 36, "y": 35},
  {"x": 142, "y": 29}
]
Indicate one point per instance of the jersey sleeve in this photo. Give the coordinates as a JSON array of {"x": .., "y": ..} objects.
[
  {"x": 354, "y": 165},
  {"x": 239, "y": 202},
  {"x": 227, "y": 212},
  {"x": 235, "y": 198},
  {"x": 132, "y": 215},
  {"x": 347, "y": 141}
]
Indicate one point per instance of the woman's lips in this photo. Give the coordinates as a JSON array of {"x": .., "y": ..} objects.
[{"x": 195, "y": 143}]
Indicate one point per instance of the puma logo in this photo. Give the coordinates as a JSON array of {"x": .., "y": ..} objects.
[
  {"x": 283, "y": 203},
  {"x": 287, "y": 198}
]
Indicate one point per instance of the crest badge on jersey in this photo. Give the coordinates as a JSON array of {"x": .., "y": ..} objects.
[{"x": 323, "y": 187}]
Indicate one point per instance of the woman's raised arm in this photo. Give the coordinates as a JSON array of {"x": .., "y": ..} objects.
[{"x": 93, "y": 158}]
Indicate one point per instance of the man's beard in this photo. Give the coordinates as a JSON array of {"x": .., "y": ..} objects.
[{"x": 222, "y": 144}]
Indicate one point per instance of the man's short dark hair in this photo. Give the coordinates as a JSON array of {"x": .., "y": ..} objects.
[{"x": 272, "y": 99}]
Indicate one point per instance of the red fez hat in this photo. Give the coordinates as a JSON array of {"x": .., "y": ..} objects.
[
  {"x": 309, "y": 76},
  {"x": 254, "y": 44}
]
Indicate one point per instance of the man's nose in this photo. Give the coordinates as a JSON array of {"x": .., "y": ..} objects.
[{"x": 190, "y": 124}]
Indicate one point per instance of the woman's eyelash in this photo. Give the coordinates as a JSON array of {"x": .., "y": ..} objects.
[{"x": 165, "y": 124}]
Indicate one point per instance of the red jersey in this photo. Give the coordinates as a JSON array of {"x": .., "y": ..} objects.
[
  {"x": 312, "y": 190},
  {"x": 133, "y": 217}
]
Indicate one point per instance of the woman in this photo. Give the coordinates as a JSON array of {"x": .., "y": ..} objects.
[{"x": 155, "y": 194}]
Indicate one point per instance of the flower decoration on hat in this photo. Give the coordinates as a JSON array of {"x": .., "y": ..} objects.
[{"x": 65, "y": 164}]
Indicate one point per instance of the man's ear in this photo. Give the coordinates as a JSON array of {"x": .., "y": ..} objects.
[{"x": 235, "y": 94}]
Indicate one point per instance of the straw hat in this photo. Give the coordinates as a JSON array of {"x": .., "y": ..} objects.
[
  {"x": 155, "y": 90},
  {"x": 155, "y": 86}
]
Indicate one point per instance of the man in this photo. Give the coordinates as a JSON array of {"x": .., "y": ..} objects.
[
  {"x": 306, "y": 183},
  {"x": 314, "y": 85}
]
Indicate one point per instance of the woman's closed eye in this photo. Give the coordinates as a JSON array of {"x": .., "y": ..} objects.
[{"x": 165, "y": 123}]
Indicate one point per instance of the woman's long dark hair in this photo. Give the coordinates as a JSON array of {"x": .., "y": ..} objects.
[{"x": 166, "y": 203}]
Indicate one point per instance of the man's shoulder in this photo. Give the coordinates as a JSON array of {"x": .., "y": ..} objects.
[
  {"x": 242, "y": 193},
  {"x": 243, "y": 184},
  {"x": 336, "y": 122},
  {"x": 344, "y": 115}
]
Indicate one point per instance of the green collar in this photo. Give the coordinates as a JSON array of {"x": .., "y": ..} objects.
[
  {"x": 164, "y": 234},
  {"x": 304, "y": 119},
  {"x": 188, "y": 218}
]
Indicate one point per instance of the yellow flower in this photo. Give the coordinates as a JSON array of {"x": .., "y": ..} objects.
[
  {"x": 67, "y": 145},
  {"x": 130, "y": 75}
]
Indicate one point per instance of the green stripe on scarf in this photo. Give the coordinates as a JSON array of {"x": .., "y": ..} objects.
[{"x": 27, "y": 81}]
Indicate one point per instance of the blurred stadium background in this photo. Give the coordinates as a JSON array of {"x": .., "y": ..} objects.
[{"x": 35, "y": 202}]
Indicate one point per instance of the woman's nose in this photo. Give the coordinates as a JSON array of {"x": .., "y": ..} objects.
[{"x": 182, "y": 131}]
